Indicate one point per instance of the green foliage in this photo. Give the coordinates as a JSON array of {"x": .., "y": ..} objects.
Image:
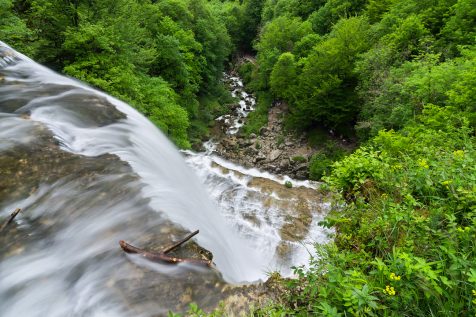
[
  {"x": 321, "y": 162},
  {"x": 247, "y": 71},
  {"x": 14, "y": 30},
  {"x": 319, "y": 166},
  {"x": 460, "y": 28},
  {"x": 134, "y": 50},
  {"x": 353, "y": 69},
  {"x": 299, "y": 159},
  {"x": 288, "y": 184},
  {"x": 251, "y": 22},
  {"x": 333, "y": 10},
  {"x": 325, "y": 93},
  {"x": 277, "y": 37},
  {"x": 258, "y": 118},
  {"x": 404, "y": 241},
  {"x": 283, "y": 77},
  {"x": 417, "y": 83}
]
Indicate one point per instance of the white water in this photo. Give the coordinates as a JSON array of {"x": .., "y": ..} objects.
[
  {"x": 38, "y": 282},
  {"x": 171, "y": 188},
  {"x": 233, "y": 122},
  {"x": 228, "y": 185}
]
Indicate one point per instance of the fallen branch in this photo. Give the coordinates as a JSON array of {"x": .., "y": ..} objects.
[
  {"x": 162, "y": 257},
  {"x": 12, "y": 216},
  {"x": 179, "y": 243}
]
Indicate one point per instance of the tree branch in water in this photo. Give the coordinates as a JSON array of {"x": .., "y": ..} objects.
[
  {"x": 162, "y": 257},
  {"x": 12, "y": 216}
]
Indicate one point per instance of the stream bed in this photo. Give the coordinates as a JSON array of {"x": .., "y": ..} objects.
[{"x": 88, "y": 170}]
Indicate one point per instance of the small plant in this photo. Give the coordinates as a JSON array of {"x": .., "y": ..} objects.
[
  {"x": 288, "y": 184},
  {"x": 299, "y": 159},
  {"x": 320, "y": 165}
]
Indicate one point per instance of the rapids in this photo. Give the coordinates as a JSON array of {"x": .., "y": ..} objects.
[{"x": 89, "y": 170}]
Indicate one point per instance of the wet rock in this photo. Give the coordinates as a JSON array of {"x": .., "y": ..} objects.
[
  {"x": 198, "y": 147},
  {"x": 301, "y": 175},
  {"x": 297, "y": 227},
  {"x": 284, "y": 250}
]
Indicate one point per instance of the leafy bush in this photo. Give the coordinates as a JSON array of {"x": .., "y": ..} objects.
[
  {"x": 320, "y": 165},
  {"x": 404, "y": 241},
  {"x": 322, "y": 161},
  {"x": 246, "y": 71}
]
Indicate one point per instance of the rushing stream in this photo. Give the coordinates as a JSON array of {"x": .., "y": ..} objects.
[{"x": 88, "y": 170}]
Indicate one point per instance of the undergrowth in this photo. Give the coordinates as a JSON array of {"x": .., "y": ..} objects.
[{"x": 405, "y": 228}]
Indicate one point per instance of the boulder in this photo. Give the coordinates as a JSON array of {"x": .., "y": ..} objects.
[
  {"x": 301, "y": 167},
  {"x": 283, "y": 164},
  {"x": 302, "y": 175},
  {"x": 274, "y": 155},
  {"x": 259, "y": 158}
]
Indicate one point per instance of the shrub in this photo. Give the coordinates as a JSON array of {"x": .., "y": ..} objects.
[
  {"x": 320, "y": 165},
  {"x": 404, "y": 242}
]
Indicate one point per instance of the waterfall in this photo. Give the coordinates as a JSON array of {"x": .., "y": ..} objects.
[
  {"x": 88, "y": 170},
  {"x": 32, "y": 95}
]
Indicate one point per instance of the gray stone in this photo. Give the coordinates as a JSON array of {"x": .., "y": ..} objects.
[
  {"x": 283, "y": 163},
  {"x": 301, "y": 175},
  {"x": 263, "y": 130},
  {"x": 301, "y": 167},
  {"x": 259, "y": 158},
  {"x": 274, "y": 155}
]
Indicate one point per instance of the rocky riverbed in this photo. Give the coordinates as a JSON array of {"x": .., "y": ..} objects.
[{"x": 272, "y": 149}]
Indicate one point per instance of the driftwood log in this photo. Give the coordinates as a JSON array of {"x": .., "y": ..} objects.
[
  {"x": 10, "y": 219},
  {"x": 162, "y": 257}
]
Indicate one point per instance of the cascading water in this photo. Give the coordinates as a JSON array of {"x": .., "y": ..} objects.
[
  {"x": 88, "y": 171},
  {"x": 234, "y": 121}
]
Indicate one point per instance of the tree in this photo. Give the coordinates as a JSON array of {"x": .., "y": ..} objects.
[
  {"x": 333, "y": 10},
  {"x": 283, "y": 77},
  {"x": 277, "y": 37},
  {"x": 327, "y": 82},
  {"x": 13, "y": 30}
]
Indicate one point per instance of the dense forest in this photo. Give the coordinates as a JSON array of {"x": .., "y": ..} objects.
[{"x": 398, "y": 77}]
